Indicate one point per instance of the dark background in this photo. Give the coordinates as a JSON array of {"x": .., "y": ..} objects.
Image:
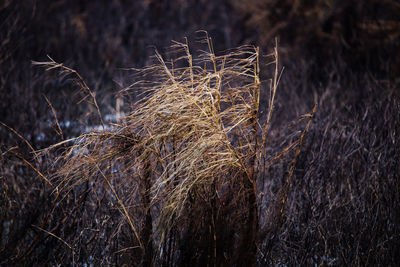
[{"x": 344, "y": 55}]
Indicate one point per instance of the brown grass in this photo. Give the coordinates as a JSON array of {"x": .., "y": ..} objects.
[
  {"x": 342, "y": 202},
  {"x": 193, "y": 143}
]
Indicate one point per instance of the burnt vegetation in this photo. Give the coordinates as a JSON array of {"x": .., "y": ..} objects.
[{"x": 280, "y": 152}]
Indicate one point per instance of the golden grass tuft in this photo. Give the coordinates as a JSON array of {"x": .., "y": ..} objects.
[{"x": 195, "y": 136}]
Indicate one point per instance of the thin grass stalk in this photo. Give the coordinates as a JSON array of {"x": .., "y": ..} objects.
[
  {"x": 80, "y": 81},
  {"x": 124, "y": 210},
  {"x": 288, "y": 181}
]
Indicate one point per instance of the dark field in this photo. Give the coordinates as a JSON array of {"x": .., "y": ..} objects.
[{"x": 122, "y": 155}]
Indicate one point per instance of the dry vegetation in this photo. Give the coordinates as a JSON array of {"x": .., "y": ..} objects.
[
  {"x": 193, "y": 152},
  {"x": 200, "y": 171}
]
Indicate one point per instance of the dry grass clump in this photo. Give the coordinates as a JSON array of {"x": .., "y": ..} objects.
[
  {"x": 191, "y": 149},
  {"x": 342, "y": 199}
]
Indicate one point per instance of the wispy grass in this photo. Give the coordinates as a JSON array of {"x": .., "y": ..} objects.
[
  {"x": 194, "y": 138},
  {"x": 341, "y": 206}
]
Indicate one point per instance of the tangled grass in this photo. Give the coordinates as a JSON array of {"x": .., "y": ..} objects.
[
  {"x": 194, "y": 174},
  {"x": 342, "y": 198},
  {"x": 191, "y": 154}
]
